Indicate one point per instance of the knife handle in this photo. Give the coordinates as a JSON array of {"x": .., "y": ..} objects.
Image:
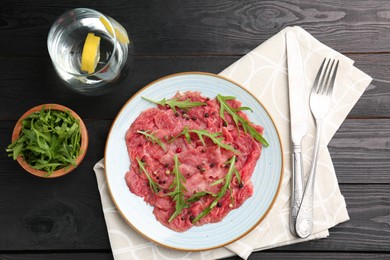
[{"x": 296, "y": 185}]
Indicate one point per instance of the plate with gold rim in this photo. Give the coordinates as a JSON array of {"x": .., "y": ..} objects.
[{"x": 266, "y": 178}]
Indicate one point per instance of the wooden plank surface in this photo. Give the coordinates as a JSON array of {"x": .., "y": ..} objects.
[
  {"x": 48, "y": 214},
  {"x": 254, "y": 256},
  {"x": 34, "y": 81},
  {"x": 56, "y": 256},
  {"x": 223, "y": 27},
  {"x": 54, "y": 221},
  {"x": 359, "y": 156},
  {"x": 62, "y": 218},
  {"x": 65, "y": 213}
]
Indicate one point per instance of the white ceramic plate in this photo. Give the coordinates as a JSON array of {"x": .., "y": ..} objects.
[{"x": 266, "y": 178}]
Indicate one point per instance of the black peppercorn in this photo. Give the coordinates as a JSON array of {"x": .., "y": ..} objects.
[{"x": 206, "y": 114}]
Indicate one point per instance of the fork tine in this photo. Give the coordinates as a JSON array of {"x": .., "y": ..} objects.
[
  {"x": 331, "y": 84},
  {"x": 328, "y": 77},
  {"x": 315, "y": 84},
  {"x": 324, "y": 78}
]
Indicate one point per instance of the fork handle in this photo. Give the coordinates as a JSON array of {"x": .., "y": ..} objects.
[
  {"x": 304, "y": 221},
  {"x": 296, "y": 185}
]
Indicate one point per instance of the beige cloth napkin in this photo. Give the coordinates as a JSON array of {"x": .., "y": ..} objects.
[{"x": 263, "y": 72}]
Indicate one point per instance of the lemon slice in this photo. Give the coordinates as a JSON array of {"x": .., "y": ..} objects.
[
  {"x": 120, "y": 35},
  {"x": 91, "y": 53}
]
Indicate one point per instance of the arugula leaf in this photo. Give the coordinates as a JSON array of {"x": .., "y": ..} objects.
[
  {"x": 152, "y": 138},
  {"x": 226, "y": 185},
  {"x": 153, "y": 185},
  {"x": 246, "y": 125},
  {"x": 174, "y": 102},
  {"x": 198, "y": 195},
  {"x": 215, "y": 137},
  {"x": 49, "y": 140},
  {"x": 178, "y": 193}
]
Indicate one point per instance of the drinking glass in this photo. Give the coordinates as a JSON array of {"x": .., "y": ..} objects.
[{"x": 114, "y": 56}]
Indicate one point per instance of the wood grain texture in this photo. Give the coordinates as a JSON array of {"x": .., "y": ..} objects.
[
  {"x": 222, "y": 27},
  {"x": 34, "y": 88},
  {"x": 52, "y": 214},
  {"x": 57, "y": 256},
  {"x": 63, "y": 219},
  {"x": 375, "y": 102},
  {"x": 360, "y": 151},
  {"x": 69, "y": 220},
  {"x": 368, "y": 229},
  {"x": 34, "y": 81},
  {"x": 66, "y": 213},
  {"x": 313, "y": 255},
  {"x": 357, "y": 154},
  {"x": 253, "y": 256}
]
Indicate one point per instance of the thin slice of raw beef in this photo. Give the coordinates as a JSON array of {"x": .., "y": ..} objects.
[{"x": 201, "y": 164}]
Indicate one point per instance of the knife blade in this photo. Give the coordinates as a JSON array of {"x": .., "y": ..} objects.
[{"x": 298, "y": 121}]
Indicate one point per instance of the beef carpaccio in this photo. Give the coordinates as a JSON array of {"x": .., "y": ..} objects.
[{"x": 189, "y": 163}]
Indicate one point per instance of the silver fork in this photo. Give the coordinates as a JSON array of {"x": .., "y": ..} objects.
[{"x": 320, "y": 99}]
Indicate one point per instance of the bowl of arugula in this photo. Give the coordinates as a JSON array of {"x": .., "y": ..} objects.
[{"x": 49, "y": 141}]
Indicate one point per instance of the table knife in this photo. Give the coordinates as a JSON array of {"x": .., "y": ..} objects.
[{"x": 298, "y": 122}]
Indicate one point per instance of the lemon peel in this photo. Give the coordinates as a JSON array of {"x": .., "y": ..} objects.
[
  {"x": 91, "y": 53},
  {"x": 120, "y": 35}
]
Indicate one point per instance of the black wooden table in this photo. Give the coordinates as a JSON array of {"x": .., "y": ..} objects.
[{"x": 63, "y": 219}]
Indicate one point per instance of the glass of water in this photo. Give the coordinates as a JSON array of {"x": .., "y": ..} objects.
[{"x": 91, "y": 52}]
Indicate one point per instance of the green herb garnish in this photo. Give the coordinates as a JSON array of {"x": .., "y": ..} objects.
[
  {"x": 246, "y": 125},
  {"x": 215, "y": 137},
  {"x": 153, "y": 185},
  {"x": 152, "y": 138},
  {"x": 178, "y": 193},
  {"x": 49, "y": 140},
  {"x": 198, "y": 195},
  {"x": 226, "y": 185},
  {"x": 174, "y": 102}
]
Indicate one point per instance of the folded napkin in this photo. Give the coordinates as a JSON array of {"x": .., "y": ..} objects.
[{"x": 263, "y": 72}]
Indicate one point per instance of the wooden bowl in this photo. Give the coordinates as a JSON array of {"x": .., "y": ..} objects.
[{"x": 62, "y": 171}]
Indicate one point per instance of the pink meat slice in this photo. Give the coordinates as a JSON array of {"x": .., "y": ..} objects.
[{"x": 200, "y": 164}]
